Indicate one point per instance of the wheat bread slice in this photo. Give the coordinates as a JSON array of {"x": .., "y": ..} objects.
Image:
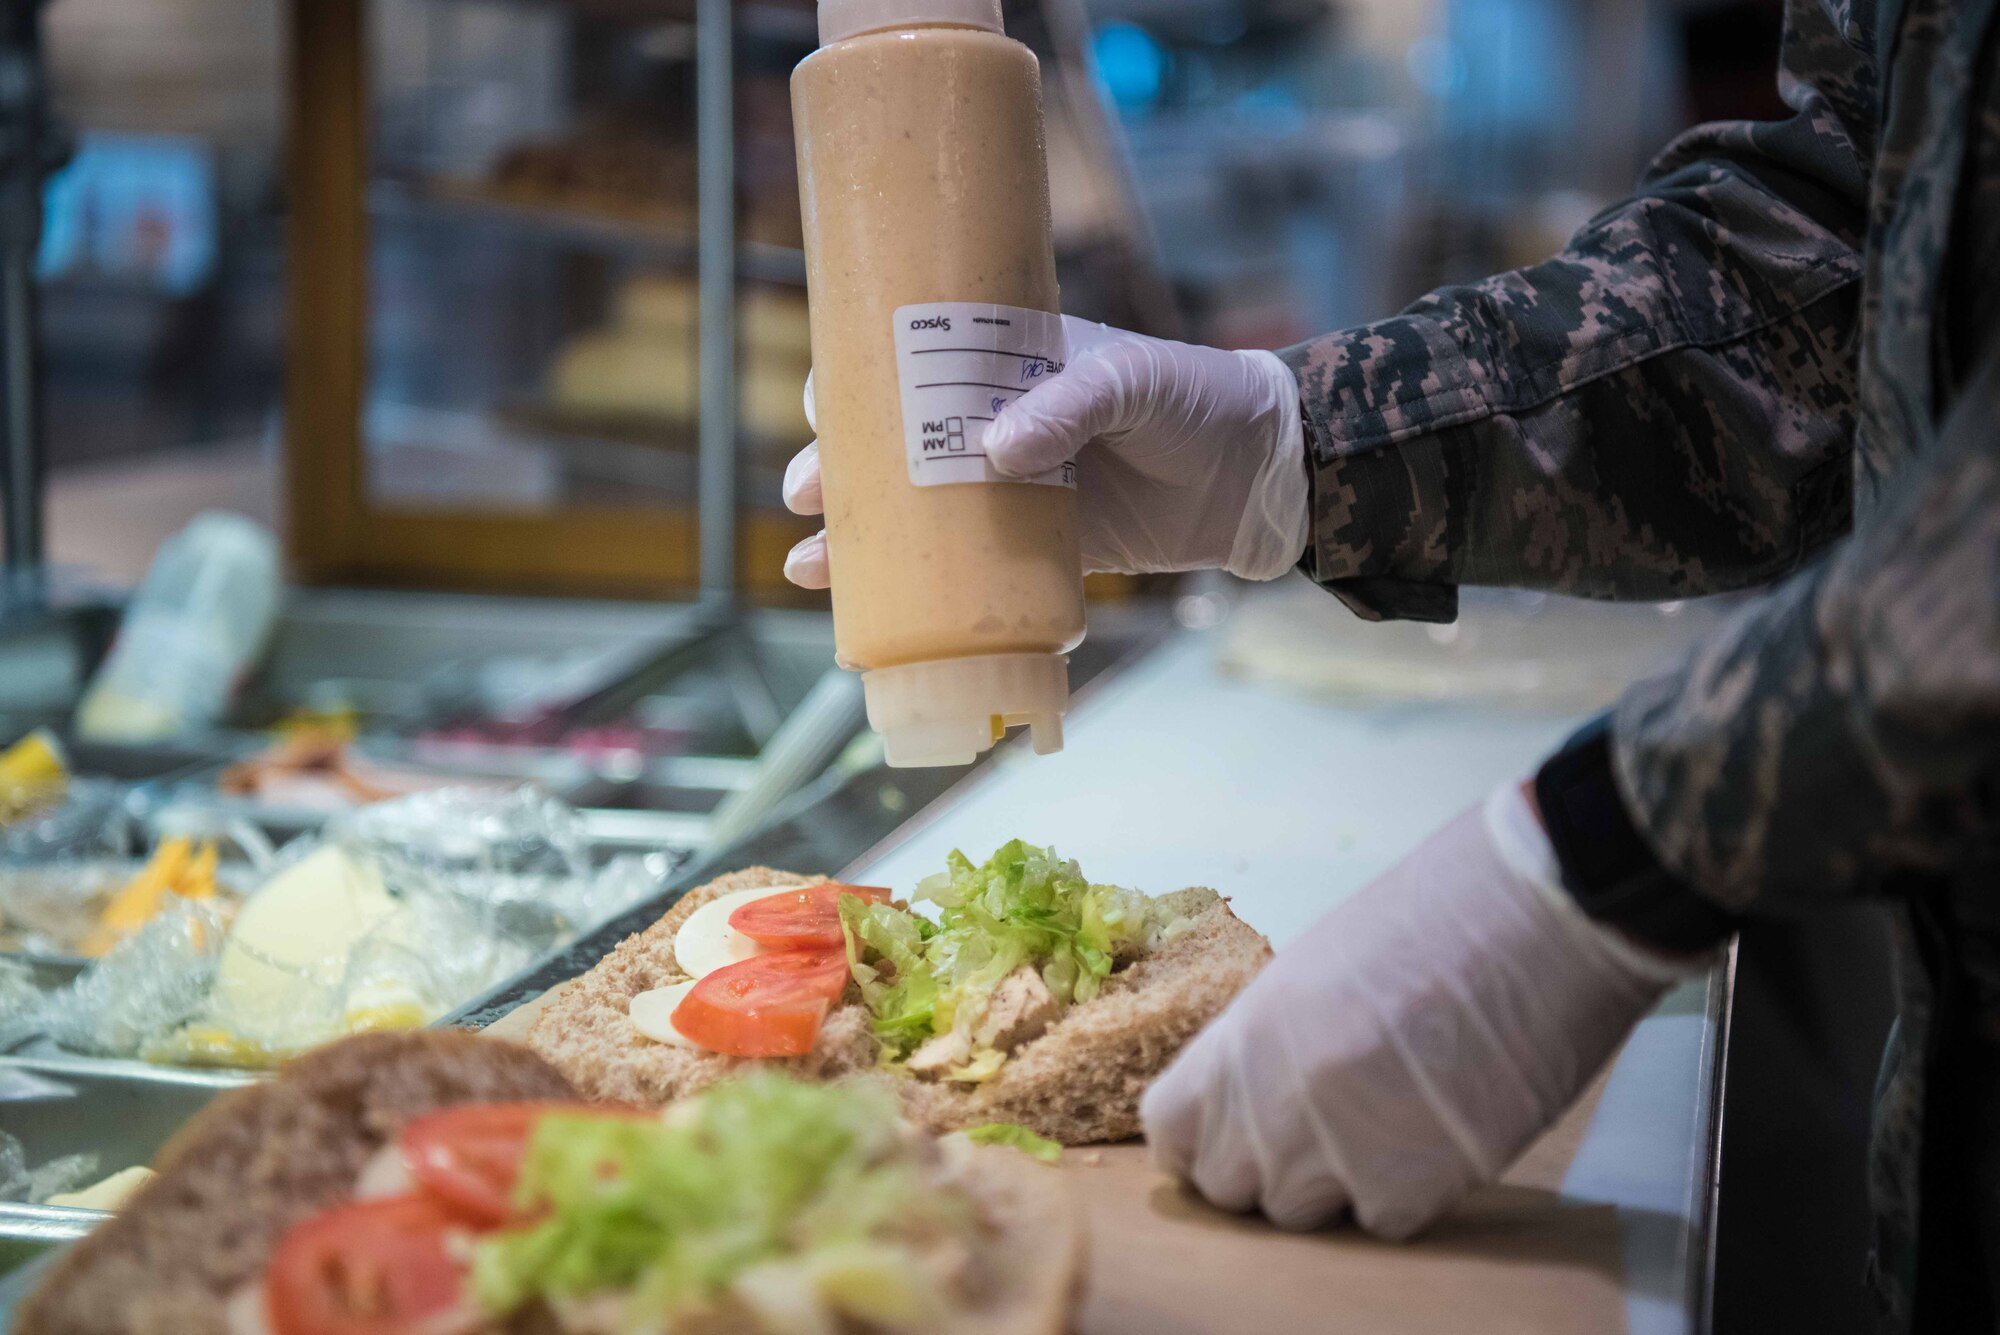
[
  {"x": 261, "y": 1159},
  {"x": 1034, "y": 1267},
  {"x": 1078, "y": 1083},
  {"x": 255, "y": 1162}
]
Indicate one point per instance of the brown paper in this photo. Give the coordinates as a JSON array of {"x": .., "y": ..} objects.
[{"x": 1515, "y": 1257}]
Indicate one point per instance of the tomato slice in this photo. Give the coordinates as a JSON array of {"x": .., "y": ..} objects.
[
  {"x": 765, "y": 1006},
  {"x": 370, "y": 1268},
  {"x": 793, "y": 919},
  {"x": 468, "y": 1158}
]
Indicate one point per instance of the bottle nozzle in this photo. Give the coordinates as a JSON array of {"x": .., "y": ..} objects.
[{"x": 947, "y": 711}]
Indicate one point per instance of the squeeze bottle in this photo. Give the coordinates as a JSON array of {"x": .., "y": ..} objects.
[
  {"x": 189, "y": 636},
  {"x": 931, "y": 278}
]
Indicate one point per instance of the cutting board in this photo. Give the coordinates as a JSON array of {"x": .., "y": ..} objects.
[{"x": 1516, "y": 1257}]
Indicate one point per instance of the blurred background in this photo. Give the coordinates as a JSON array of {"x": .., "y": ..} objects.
[
  {"x": 371, "y": 329},
  {"x": 1276, "y": 168},
  {"x": 400, "y": 297}
]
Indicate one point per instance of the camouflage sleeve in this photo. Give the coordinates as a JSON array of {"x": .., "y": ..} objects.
[
  {"x": 1846, "y": 727},
  {"x": 1663, "y": 409}
]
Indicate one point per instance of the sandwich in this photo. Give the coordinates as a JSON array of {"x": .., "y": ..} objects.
[
  {"x": 1012, "y": 992},
  {"x": 444, "y": 1184}
]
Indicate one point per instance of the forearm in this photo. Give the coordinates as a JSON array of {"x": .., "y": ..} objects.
[{"x": 1662, "y": 410}]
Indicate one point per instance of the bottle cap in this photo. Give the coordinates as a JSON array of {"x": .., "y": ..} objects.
[
  {"x": 842, "y": 19},
  {"x": 945, "y": 712}
]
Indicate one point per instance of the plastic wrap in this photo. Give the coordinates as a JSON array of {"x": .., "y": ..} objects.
[
  {"x": 92, "y": 822},
  {"x": 20, "y": 1003},
  {"x": 399, "y": 913},
  {"x": 621, "y": 883},
  {"x": 57, "y": 865},
  {"x": 148, "y": 985},
  {"x": 516, "y": 861},
  {"x": 81, "y": 907},
  {"x": 47, "y": 910},
  {"x": 404, "y": 972},
  {"x": 416, "y": 906},
  {"x": 32, "y": 1186}
]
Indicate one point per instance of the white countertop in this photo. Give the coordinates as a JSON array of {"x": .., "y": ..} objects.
[{"x": 1175, "y": 774}]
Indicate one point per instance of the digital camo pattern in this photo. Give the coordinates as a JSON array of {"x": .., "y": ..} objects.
[
  {"x": 1782, "y": 336},
  {"x": 1666, "y": 408},
  {"x": 1842, "y": 736}
]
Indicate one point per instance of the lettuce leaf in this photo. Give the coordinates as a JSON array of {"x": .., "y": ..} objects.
[
  {"x": 765, "y": 1175},
  {"x": 1024, "y": 906},
  {"x": 1013, "y": 1133}
]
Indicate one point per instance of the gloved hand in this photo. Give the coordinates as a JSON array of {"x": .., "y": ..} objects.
[
  {"x": 1412, "y": 1043},
  {"x": 1195, "y": 458}
]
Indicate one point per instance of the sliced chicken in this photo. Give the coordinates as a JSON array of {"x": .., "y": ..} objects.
[{"x": 1020, "y": 1009}]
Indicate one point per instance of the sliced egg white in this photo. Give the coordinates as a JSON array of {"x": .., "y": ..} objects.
[
  {"x": 653, "y": 1014},
  {"x": 243, "y": 1311},
  {"x": 706, "y": 942},
  {"x": 387, "y": 1173}
]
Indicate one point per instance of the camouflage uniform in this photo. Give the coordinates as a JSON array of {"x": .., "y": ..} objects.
[{"x": 1783, "y": 336}]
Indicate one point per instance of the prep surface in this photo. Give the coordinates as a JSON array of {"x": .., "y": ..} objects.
[{"x": 1175, "y": 774}]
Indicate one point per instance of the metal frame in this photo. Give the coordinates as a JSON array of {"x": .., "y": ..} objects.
[
  {"x": 336, "y": 534},
  {"x": 1715, "y": 1058},
  {"x": 715, "y": 153},
  {"x": 30, "y": 148}
]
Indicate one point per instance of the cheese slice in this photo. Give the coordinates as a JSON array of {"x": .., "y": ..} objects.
[
  {"x": 291, "y": 941},
  {"x": 109, "y": 1194},
  {"x": 706, "y": 942},
  {"x": 653, "y": 1014}
]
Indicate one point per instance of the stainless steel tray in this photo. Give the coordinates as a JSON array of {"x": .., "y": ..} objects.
[{"x": 121, "y": 1111}]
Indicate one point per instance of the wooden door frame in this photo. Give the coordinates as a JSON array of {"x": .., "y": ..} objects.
[{"x": 335, "y": 535}]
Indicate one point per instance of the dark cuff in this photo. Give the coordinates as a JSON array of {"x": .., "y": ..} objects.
[
  {"x": 1370, "y": 597},
  {"x": 1606, "y": 863}
]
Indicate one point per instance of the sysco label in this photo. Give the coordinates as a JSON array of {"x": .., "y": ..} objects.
[{"x": 960, "y": 363}]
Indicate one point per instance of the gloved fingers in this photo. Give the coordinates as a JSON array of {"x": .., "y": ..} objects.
[
  {"x": 806, "y": 564},
  {"x": 1196, "y": 1118},
  {"x": 1045, "y": 427},
  {"x": 802, "y": 489},
  {"x": 1232, "y": 1126},
  {"x": 1225, "y": 1168},
  {"x": 1305, "y": 1200},
  {"x": 812, "y": 418},
  {"x": 1170, "y": 1111}
]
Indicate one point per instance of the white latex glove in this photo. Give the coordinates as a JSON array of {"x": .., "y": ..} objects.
[
  {"x": 1195, "y": 458},
  {"x": 1412, "y": 1043}
]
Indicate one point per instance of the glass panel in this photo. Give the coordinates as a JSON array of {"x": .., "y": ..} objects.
[{"x": 532, "y": 334}]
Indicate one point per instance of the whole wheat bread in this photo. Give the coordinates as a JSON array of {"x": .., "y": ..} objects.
[
  {"x": 259, "y": 1160},
  {"x": 255, "y": 1162},
  {"x": 1078, "y": 1083}
]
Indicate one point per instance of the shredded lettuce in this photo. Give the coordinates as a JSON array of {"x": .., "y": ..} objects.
[
  {"x": 1013, "y": 1133},
  {"x": 770, "y": 1194},
  {"x": 1024, "y": 906},
  {"x": 905, "y": 1008}
]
